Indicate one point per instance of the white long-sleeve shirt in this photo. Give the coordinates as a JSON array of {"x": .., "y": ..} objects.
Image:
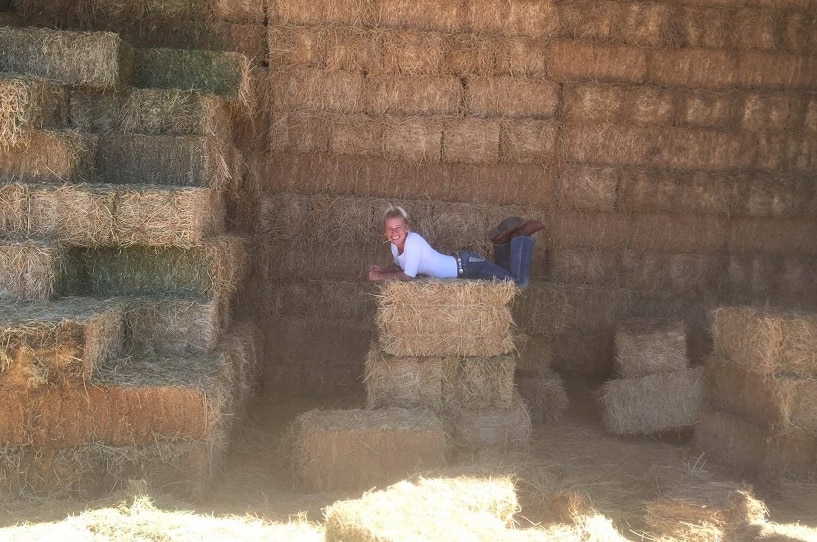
[{"x": 420, "y": 258}]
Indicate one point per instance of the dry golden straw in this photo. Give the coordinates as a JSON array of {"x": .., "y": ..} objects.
[
  {"x": 650, "y": 347},
  {"x": 478, "y": 382},
  {"x": 26, "y": 104},
  {"x": 403, "y": 381},
  {"x": 173, "y": 324},
  {"x": 492, "y": 428}
]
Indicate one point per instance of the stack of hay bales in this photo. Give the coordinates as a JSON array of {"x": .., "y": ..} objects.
[
  {"x": 657, "y": 390},
  {"x": 761, "y": 418},
  {"x": 447, "y": 345},
  {"x": 118, "y": 356}
]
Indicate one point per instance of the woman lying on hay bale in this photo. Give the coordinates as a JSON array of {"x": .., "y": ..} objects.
[{"x": 513, "y": 250}]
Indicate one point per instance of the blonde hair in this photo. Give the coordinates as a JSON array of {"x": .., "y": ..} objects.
[{"x": 394, "y": 211}]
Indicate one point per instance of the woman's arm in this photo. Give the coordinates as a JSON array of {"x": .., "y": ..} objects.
[{"x": 391, "y": 272}]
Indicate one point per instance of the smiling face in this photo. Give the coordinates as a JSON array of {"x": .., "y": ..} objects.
[{"x": 396, "y": 230}]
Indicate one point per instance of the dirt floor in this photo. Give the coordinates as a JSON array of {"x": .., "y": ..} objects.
[{"x": 572, "y": 462}]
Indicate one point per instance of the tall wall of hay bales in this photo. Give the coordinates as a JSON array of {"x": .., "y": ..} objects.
[{"x": 669, "y": 147}]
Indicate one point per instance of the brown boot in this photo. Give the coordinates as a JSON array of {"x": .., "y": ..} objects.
[
  {"x": 528, "y": 228},
  {"x": 503, "y": 233}
]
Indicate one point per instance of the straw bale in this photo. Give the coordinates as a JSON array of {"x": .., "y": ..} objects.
[
  {"x": 287, "y": 260},
  {"x": 796, "y": 35},
  {"x": 151, "y": 111},
  {"x": 434, "y": 509},
  {"x": 512, "y": 18},
  {"x": 13, "y": 207},
  {"x": 646, "y": 190},
  {"x": 398, "y": 94},
  {"x": 588, "y": 188},
  {"x": 795, "y": 278},
  {"x": 403, "y": 381},
  {"x": 31, "y": 269},
  {"x": 46, "y": 341},
  {"x": 544, "y": 395},
  {"x": 238, "y": 11},
  {"x": 29, "y": 104},
  {"x": 413, "y": 139},
  {"x": 766, "y": 341},
  {"x": 783, "y": 404},
  {"x": 224, "y": 74},
  {"x": 172, "y": 325},
  {"x": 541, "y": 309},
  {"x": 580, "y": 266},
  {"x": 96, "y": 59},
  {"x": 77, "y": 214},
  {"x": 632, "y": 23},
  {"x": 51, "y": 156},
  {"x": 708, "y": 193},
  {"x": 478, "y": 382},
  {"x": 516, "y": 56},
  {"x": 654, "y": 403},
  {"x": 771, "y": 196},
  {"x": 703, "y": 233},
  {"x": 785, "y": 151},
  {"x": 340, "y": 450},
  {"x": 492, "y": 428},
  {"x": 314, "y": 89},
  {"x": 574, "y": 60},
  {"x": 357, "y": 135},
  {"x": 760, "y": 69},
  {"x": 695, "y": 273},
  {"x": 701, "y": 510},
  {"x": 466, "y": 54},
  {"x": 770, "y": 112},
  {"x": 645, "y": 347},
  {"x": 705, "y": 27},
  {"x": 750, "y": 276},
  {"x": 592, "y": 21},
  {"x": 297, "y": 45},
  {"x": 708, "y": 109},
  {"x": 213, "y": 268},
  {"x": 328, "y": 12},
  {"x": 511, "y": 97},
  {"x": 471, "y": 140},
  {"x": 170, "y": 160},
  {"x": 697, "y": 68},
  {"x": 438, "y": 317},
  {"x": 410, "y": 52},
  {"x": 535, "y": 354},
  {"x": 645, "y": 270},
  {"x": 431, "y": 15},
  {"x": 614, "y": 144},
  {"x": 353, "y": 49},
  {"x": 302, "y": 132},
  {"x": 167, "y": 215},
  {"x": 528, "y": 141},
  {"x": 593, "y": 102},
  {"x": 352, "y": 301},
  {"x": 697, "y": 148}
]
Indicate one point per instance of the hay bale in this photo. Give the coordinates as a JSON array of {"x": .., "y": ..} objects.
[
  {"x": 50, "y": 156},
  {"x": 168, "y": 160},
  {"x": 766, "y": 341},
  {"x": 511, "y": 97},
  {"x": 645, "y": 270},
  {"x": 695, "y": 148},
  {"x": 453, "y": 508},
  {"x": 297, "y": 45},
  {"x": 95, "y": 59},
  {"x": 471, "y": 141},
  {"x": 588, "y": 188},
  {"x": 213, "y": 268},
  {"x": 761, "y": 69},
  {"x": 167, "y": 215},
  {"x": 76, "y": 214},
  {"x": 478, "y": 382},
  {"x": 512, "y": 18},
  {"x": 643, "y": 105},
  {"x": 29, "y": 104},
  {"x": 454, "y": 317},
  {"x": 542, "y": 309},
  {"x": 492, "y": 428},
  {"x": 432, "y": 15},
  {"x": 399, "y": 94},
  {"x": 705, "y": 27},
  {"x": 585, "y": 266},
  {"x": 784, "y": 404},
  {"x": 708, "y": 109},
  {"x": 708, "y": 193},
  {"x": 314, "y": 89},
  {"x": 31, "y": 269},
  {"x": 309, "y": 132},
  {"x": 528, "y": 141},
  {"x": 221, "y": 73},
  {"x": 614, "y": 144},
  {"x": 516, "y": 56},
  {"x": 544, "y": 395},
  {"x": 413, "y": 139},
  {"x": 173, "y": 325},
  {"x": 352, "y": 450},
  {"x": 772, "y": 197},
  {"x": 646, "y": 191},
  {"x": 357, "y": 135},
  {"x": 698, "y": 68},
  {"x": 535, "y": 354},
  {"x": 403, "y": 381},
  {"x": 645, "y": 347},
  {"x": 701, "y": 510},
  {"x": 409, "y": 52},
  {"x": 352, "y": 13},
  {"x": 653, "y": 403},
  {"x": 350, "y": 49},
  {"x": 631, "y": 23},
  {"x": 48, "y": 341},
  {"x": 578, "y": 61},
  {"x": 470, "y": 54},
  {"x": 13, "y": 207},
  {"x": 770, "y": 112},
  {"x": 151, "y": 111},
  {"x": 352, "y": 301}
]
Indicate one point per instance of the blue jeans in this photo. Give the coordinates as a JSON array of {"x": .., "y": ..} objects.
[{"x": 512, "y": 262}]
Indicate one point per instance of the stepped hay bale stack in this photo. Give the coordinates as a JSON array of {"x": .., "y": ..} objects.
[
  {"x": 28, "y": 104},
  {"x": 766, "y": 341},
  {"x": 455, "y": 508},
  {"x": 65, "y": 339},
  {"x": 491, "y": 428},
  {"x": 151, "y": 111},
  {"x": 544, "y": 395},
  {"x": 352, "y": 450},
  {"x": 476, "y": 382},
  {"x": 76, "y": 214},
  {"x": 650, "y": 347},
  {"x": 436, "y": 317},
  {"x": 50, "y": 156},
  {"x": 174, "y": 324},
  {"x": 782, "y": 403},
  {"x": 653, "y": 403},
  {"x": 31, "y": 269},
  {"x": 213, "y": 268},
  {"x": 403, "y": 381},
  {"x": 95, "y": 59}
]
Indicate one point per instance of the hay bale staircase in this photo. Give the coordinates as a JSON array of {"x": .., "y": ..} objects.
[{"x": 119, "y": 358}]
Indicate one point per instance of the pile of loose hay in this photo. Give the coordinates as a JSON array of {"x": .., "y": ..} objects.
[
  {"x": 338, "y": 450},
  {"x": 648, "y": 347},
  {"x": 458, "y": 508},
  {"x": 438, "y": 317}
]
